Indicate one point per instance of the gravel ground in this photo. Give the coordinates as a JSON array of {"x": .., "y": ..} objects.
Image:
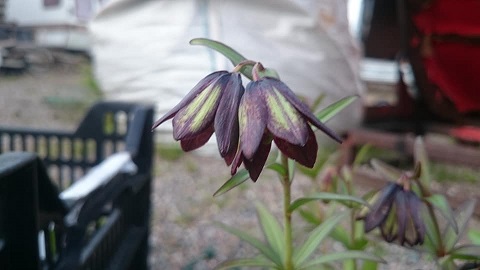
[{"x": 184, "y": 210}]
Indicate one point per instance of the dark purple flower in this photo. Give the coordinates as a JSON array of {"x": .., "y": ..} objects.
[
  {"x": 268, "y": 111},
  {"x": 396, "y": 212},
  {"x": 211, "y": 106}
]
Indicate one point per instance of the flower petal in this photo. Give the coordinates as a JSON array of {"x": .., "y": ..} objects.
[
  {"x": 190, "y": 96},
  {"x": 414, "y": 205},
  {"x": 197, "y": 141},
  {"x": 402, "y": 215},
  {"x": 255, "y": 166},
  {"x": 194, "y": 117},
  {"x": 252, "y": 120},
  {"x": 226, "y": 118},
  {"x": 305, "y": 155},
  {"x": 389, "y": 227},
  {"x": 381, "y": 208},
  {"x": 302, "y": 107},
  {"x": 284, "y": 121}
]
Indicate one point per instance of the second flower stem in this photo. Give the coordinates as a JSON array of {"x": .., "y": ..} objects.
[{"x": 287, "y": 214}]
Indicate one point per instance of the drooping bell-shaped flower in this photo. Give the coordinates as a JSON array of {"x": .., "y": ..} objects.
[
  {"x": 396, "y": 211},
  {"x": 211, "y": 106},
  {"x": 268, "y": 111}
]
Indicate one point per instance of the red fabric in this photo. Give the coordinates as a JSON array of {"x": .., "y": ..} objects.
[
  {"x": 453, "y": 66},
  {"x": 467, "y": 134},
  {"x": 460, "y": 17},
  {"x": 455, "y": 69}
]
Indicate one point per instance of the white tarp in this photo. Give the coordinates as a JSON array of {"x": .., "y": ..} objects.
[{"x": 141, "y": 49}]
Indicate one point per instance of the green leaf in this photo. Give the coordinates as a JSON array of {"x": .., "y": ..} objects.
[
  {"x": 325, "y": 196},
  {"x": 240, "y": 177},
  {"x": 254, "y": 262},
  {"x": 254, "y": 242},
  {"x": 474, "y": 236},
  {"x": 310, "y": 217},
  {"x": 227, "y": 51},
  {"x": 390, "y": 173},
  {"x": 333, "y": 109},
  {"x": 446, "y": 263},
  {"x": 441, "y": 204},
  {"x": 341, "y": 235},
  {"x": 277, "y": 167},
  {"x": 341, "y": 256},
  {"x": 369, "y": 265},
  {"x": 462, "y": 216},
  {"x": 466, "y": 252},
  {"x": 362, "y": 154},
  {"x": 315, "y": 238},
  {"x": 432, "y": 241},
  {"x": 272, "y": 230},
  {"x": 316, "y": 103}
]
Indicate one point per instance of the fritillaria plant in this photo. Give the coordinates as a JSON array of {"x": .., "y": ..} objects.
[
  {"x": 246, "y": 120},
  {"x": 408, "y": 212}
]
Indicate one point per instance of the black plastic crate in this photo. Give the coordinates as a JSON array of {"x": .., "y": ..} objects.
[{"x": 108, "y": 228}]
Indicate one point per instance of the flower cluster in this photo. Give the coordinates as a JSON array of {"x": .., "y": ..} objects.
[
  {"x": 246, "y": 120},
  {"x": 396, "y": 211}
]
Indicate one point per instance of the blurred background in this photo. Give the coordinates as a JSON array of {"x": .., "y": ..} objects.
[{"x": 58, "y": 57}]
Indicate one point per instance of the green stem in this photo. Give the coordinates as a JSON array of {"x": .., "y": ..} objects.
[
  {"x": 424, "y": 192},
  {"x": 287, "y": 215}
]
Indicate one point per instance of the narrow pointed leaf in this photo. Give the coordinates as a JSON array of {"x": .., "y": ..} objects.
[
  {"x": 272, "y": 230},
  {"x": 474, "y": 236},
  {"x": 315, "y": 238},
  {"x": 240, "y": 177},
  {"x": 310, "y": 217},
  {"x": 466, "y": 252},
  {"x": 390, "y": 173},
  {"x": 432, "y": 241},
  {"x": 227, "y": 51},
  {"x": 333, "y": 109},
  {"x": 277, "y": 167},
  {"x": 325, "y": 196},
  {"x": 441, "y": 204},
  {"x": 341, "y": 256},
  {"x": 318, "y": 100},
  {"x": 253, "y": 241},
  {"x": 254, "y": 262},
  {"x": 428, "y": 245},
  {"x": 462, "y": 215},
  {"x": 341, "y": 235},
  {"x": 362, "y": 154}
]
